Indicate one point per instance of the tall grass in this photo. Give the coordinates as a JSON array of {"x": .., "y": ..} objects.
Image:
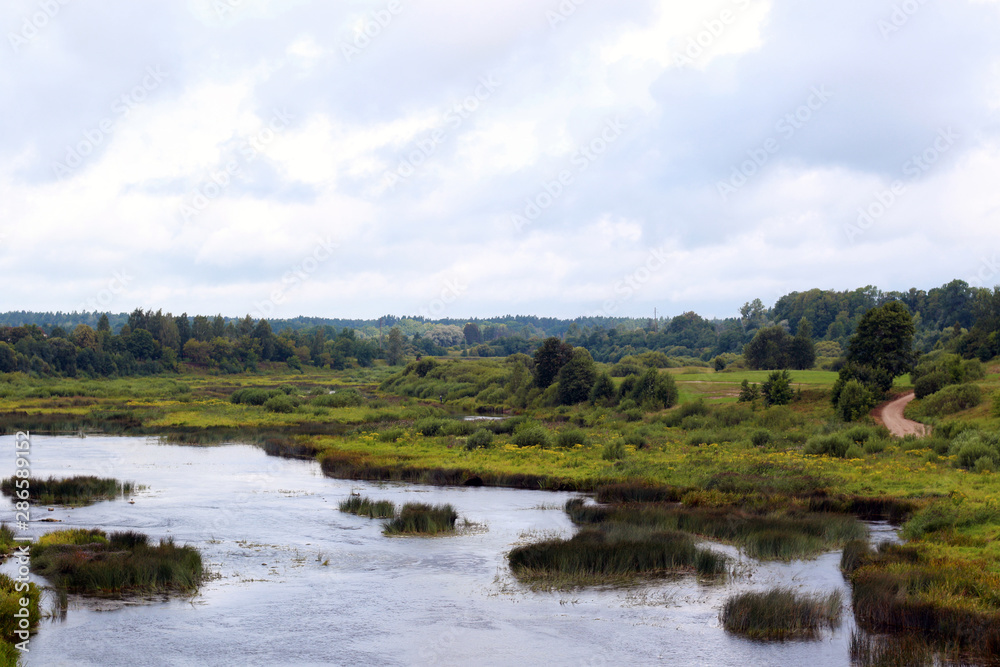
[
  {"x": 10, "y": 603},
  {"x": 364, "y": 506},
  {"x": 94, "y": 563},
  {"x": 596, "y": 555},
  {"x": 422, "y": 519},
  {"x": 780, "y": 613},
  {"x": 78, "y": 490},
  {"x": 774, "y": 536}
]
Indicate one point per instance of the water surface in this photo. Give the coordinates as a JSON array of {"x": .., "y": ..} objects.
[{"x": 295, "y": 582}]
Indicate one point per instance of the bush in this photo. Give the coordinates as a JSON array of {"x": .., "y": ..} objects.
[
  {"x": 952, "y": 399},
  {"x": 970, "y": 454},
  {"x": 931, "y": 383},
  {"x": 571, "y": 437},
  {"x": 431, "y": 426},
  {"x": 341, "y": 399},
  {"x": 985, "y": 464},
  {"x": 856, "y": 400},
  {"x": 761, "y": 438},
  {"x": 835, "y": 444},
  {"x": 614, "y": 451},
  {"x": 748, "y": 392},
  {"x": 252, "y": 396},
  {"x": 533, "y": 436},
  {"x": 481, "y": 439},
  {"x": 280, "y": 403},
  {"x": 854, "y": 452},
  {"x": 778, "y": 388},
  {"x": 391, "y": 434}
]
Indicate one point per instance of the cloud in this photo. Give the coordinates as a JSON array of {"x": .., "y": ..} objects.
[{"x": 752, "y": 138}]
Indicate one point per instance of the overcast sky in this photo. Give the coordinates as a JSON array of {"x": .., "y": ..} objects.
[{"x": 458, "y": 158}]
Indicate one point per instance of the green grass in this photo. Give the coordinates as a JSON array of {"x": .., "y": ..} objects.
[
  {"x": 95, "y": 563},
  {"x": 10, "y": 604},
  {"x": 780, "y": 613},
  {"x": 363, "y": 506},
  {"x": 422, "y": 519},
  {"x": 76, "y": 491}
]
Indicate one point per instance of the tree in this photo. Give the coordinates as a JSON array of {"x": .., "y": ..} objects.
[
  {"x": 769, "y": 349},
  {"x": 603, "y": 392},
  {"x": 777, "y": 390},
  {"x": 856, "y": 401},
  {"x": 802, "y": 353},
  {"x": 748, "y": 392},
  {"x": 884, "y": 339},
  {"x": 104, "y": 324},
  {"x": 473, "y": 336},
  {"x": 395, "y": 348},
  {"x": 549, "y": 359},
  {"x": 576, "y": 378},
  {"x": 654, "y": 390},
  {"x": 83, "y": 336}
]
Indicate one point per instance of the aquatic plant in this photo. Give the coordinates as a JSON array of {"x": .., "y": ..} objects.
[
  {"x": 78, "y": 490},
  {"x": 422, "y": 519},
  {"x": 364, "y": 506},
  {"x": 780, "y": 613}
]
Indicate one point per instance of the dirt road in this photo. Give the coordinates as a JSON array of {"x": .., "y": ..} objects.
[{"x": 891, "y": 414}]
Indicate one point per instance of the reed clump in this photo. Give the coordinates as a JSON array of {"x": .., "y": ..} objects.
[
  {"x": 77, "y": 490},
  {"x": 94, "y": 563},
  {"x": 364, "y": 506},
  {"x": 422, "y": 519},
  {"x": 612, "y": 552},
  {"x": 10, "y": 604},
  {"x": 771, "y": 536},
  {"x": 780, "y": 613}
]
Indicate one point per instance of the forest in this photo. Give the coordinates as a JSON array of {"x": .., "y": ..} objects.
[{"x": 802, "y": 330}]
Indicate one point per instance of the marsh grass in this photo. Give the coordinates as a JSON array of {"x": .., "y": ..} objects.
[
  {"x": 422, "y": 519},
  {"x": 94, "y": 563},
  {"x": 78, "y": 490},
  {"x": 773, "y": 536},
  {"x": 613, "y": 552},
  {"x": 364, "y": 506},
  {"x": 780, "y": 613}
]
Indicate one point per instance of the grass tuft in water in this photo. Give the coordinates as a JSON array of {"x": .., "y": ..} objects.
[
  {"x": 93, "y": 563},
  {"x": 364, "y": 506},
  {"x": 422, "y": 519},
  {"x": 79, "y": 490},
  {"x": 780, "y": 613}
]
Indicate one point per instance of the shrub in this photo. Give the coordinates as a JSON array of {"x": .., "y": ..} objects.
[
  {"x": 931, "y": 383},
  {"x": 430, "y": 426},
  {"x": 481, "y": 439},
  {"x": 854, "y": 452},
  {"x": 391, "y": 434},
  {"x": 655, "y": 390},
  {"x": 281, "y": 403},
  {"x": 855, "y": 401},
  {"x": 778, "y": 388},
  {"x": 748, "y": 392},
  {"x": 969, "y": 454},
  {"x": 952, "y": 399},
  {"x": 985, "y": 464},
  {"x": 761, "y": 438},
  {"x": 533, "y": 436},
  {"x": 636, "y": 440},
  {"x": 835, "y": 444},
  {"x": 571, "y": 437},
  {"x": 252, "y": 396},
  {"x": 341, "y": 399},
  {"x": 614, "y": 451}
]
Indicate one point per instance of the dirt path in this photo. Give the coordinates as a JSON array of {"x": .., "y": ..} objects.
[{"x": 891, "y": 414}]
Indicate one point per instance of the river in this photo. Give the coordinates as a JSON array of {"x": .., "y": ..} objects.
[{"x": 296, "y": 582}]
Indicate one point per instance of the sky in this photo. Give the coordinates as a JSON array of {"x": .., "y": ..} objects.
[{"x": 449, "y": 158}]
